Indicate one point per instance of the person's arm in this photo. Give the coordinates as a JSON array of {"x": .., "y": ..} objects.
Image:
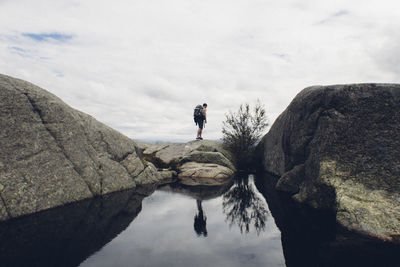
[{"x": 205, "y": 114}]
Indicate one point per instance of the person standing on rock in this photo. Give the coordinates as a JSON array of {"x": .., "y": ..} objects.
[{"x": 200, "y": 119}]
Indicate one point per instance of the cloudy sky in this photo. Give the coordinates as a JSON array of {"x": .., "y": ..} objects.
[{"x": 141, "y": 66}]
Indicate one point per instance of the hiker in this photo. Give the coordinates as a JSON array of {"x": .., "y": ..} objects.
[{"x": 200, "y": 118}]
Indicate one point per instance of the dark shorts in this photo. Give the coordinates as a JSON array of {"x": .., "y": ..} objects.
[{"x": 200, "y": 123}]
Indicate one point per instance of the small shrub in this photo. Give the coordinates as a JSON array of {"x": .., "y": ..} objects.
[{"x": 241, "y": 131}]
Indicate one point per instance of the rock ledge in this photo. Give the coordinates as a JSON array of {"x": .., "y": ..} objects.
[{"x": 197, "y": 162}]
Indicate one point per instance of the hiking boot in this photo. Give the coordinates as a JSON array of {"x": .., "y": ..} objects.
[{"x": 200, "y": 138}]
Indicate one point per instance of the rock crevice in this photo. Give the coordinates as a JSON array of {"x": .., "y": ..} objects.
[
  {"x": 37, "y": 110},
  {"x": 5, "y": 209}
]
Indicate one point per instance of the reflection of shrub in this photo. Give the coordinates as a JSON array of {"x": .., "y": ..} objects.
[
  {"x": 241, "y": 132},
  {"x": 244, "y": 207}
]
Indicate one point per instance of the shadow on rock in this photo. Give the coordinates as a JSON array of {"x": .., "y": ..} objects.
[
  {"x": 66, "y": 236},
  {"x": 313, "y": 238}
]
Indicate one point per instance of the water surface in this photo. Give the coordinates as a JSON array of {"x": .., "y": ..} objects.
[
  {"x": 228, "y": 225},
  {"x": 197, "y": 226}
]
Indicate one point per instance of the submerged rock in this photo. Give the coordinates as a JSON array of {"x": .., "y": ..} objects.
[
  {"x": 192, "y": 161},
  {"x": 337, "y": 148},
  {"x": 52, "y": 154}
]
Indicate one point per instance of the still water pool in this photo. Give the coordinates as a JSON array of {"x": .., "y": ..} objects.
[
  {"x": 177, "y": 225},
  {"x": 229, "y": 225}
]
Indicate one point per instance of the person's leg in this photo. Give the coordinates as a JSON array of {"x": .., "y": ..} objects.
[{"x": 200, "y": 130}]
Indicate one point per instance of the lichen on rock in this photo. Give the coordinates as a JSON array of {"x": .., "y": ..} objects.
[
  {"x": 345, "y": 138},
  {"x": 52, "y": 154}
]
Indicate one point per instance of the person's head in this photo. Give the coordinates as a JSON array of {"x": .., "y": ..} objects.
[{"x": 205, "y": 105}]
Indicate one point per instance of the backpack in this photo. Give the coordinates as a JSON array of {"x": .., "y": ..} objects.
[{"x": 198, "y": 113}]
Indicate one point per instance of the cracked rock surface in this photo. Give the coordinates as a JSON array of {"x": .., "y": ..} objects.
[
  {"x": 52, "y": 155},
  {"x": 197, "y": 161},
  {"x": 338, "y": 148}
]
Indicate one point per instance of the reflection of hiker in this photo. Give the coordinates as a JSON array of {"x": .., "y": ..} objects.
[
  {"x": 200, "y": 118},
  {"x": 200, "y": 221}
]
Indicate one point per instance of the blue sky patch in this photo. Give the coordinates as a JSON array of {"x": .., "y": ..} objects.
[
  {"x": 44, "y": 37},
  {"x": 336, "y": 15},
  {"x": 19, "y": 51},
  {"x": 341, "y": 13}
]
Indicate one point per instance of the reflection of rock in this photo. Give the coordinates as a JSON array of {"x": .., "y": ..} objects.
[
  {"x": 52, "y": 155},
  {"x": 192, "y": 160},
  {"x": 68, "y": 235},
  {"x": 311, "y": 237},
  {"x": 199, "y": 192},
  {"x": 337, "y": 148}
]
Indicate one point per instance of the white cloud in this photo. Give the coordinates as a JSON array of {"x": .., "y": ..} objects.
[{"x": 141, "y": 66}]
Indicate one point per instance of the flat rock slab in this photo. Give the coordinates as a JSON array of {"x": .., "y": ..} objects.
[{"x": 204, "y": 170}]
